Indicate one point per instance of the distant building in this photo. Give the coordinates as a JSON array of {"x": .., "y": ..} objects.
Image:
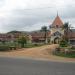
[
  {"x": 54, "y": 35},
  {"x": 5, "y": 37},
  {"x": 13, "y": 36},
  {"x": 71, "y": 36},
  {"x": 39, "y": 37}
]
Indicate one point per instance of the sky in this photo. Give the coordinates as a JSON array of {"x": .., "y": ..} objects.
[{"x": 30, "y": 15}]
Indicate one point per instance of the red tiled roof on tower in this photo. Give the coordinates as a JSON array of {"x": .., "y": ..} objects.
[{"x": 57, "y": 21}]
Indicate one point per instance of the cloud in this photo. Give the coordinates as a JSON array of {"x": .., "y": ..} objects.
[{"x": 32, "y": 14}]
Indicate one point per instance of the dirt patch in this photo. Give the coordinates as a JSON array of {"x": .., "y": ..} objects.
[{"x": 38, "y": 52}]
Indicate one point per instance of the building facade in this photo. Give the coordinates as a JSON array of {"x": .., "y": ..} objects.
[{"x": 57, "y": 32}]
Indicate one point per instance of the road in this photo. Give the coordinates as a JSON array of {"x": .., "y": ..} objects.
[{"x": 24, "y": 66}]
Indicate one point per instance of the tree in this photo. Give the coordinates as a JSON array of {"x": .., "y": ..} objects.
[
  {"x": 3, "y": 41},
  {"x": 44, "y": 29},
  {"x": 23, "y": 40},
  {"x": 67, "y": 30}
]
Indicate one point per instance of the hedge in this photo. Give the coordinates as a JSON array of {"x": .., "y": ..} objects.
[{"x": 4, "y": 48}]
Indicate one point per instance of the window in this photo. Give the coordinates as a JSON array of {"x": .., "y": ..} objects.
[
  {"x": 57, "y": 26},
  {"x": 57, "y": 34}
]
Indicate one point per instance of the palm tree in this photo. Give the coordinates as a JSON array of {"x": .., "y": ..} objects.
[
  {"x": 44, "y": 29},
  {"x": 67, "y": 29}
]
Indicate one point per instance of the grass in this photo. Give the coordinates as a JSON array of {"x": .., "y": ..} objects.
[
  {"x": 32, "y": 45},
  {"x": 65, "y": 55},
  {"x": 69, "y": 55},
  {"x": 4, "y": 47},
  {"x": 72, "y": 48},
  {"x": 9, "y": 45}
]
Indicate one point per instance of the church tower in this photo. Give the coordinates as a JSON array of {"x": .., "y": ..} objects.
[{"x": 56, "y": 30}]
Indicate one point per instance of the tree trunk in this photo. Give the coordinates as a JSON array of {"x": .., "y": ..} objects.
[{"x": 45, "y": 38}]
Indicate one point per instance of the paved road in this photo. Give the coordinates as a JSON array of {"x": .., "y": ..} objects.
[{"x": 20, "y": 66}]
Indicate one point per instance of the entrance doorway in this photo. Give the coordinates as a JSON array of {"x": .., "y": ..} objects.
[{"x": 56, "y": 40}]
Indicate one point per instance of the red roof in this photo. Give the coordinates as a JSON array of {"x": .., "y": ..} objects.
[{"x": 57, "y": 21}]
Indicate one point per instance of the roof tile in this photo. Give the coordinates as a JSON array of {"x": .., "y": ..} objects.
[{"x": 57, "y": 21}]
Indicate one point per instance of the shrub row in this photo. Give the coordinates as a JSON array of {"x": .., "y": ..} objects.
[
  {"x": 63, "y": 43},
  {"x": 7, "y": 48},
  {"x": 4, "y": 48}
]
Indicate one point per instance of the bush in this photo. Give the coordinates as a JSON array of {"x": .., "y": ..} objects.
[
  {"x": 4, "y": 48},
  {"x": 63, "y": 43},
  {"x": 28, "y": 45},
  {"x": 69, "y": 55},
  {"x": 73, "y": 48},
  {"x": 32, "y": 45}
]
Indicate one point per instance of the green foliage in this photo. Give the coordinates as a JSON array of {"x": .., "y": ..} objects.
[
  {"x": 22, "y": 40},
  {"x": 32, "y": 45},
  {"x": 4, "y": 47},
  {"x": 73, "y": 48},
  {"x": 64, "y": 43},
  {"x": 66, "y": 26},
  {"x": 44, "y": 29},
  {"x": 70, "y": 55}
]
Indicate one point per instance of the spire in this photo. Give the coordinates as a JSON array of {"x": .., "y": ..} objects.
[
  {"x": 57, "y": 21},
  {"x": 57, "y": 13}
]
